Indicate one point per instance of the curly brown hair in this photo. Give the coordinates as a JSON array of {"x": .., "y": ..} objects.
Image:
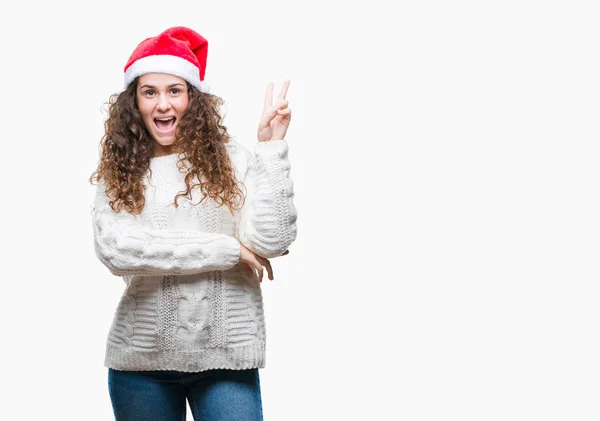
[{"x": 126, "y": 149}]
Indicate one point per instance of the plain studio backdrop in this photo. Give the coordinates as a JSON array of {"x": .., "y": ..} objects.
[{"x": 445, "y": 166}]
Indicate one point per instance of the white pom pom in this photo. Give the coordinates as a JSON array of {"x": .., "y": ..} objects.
[{"x": 204, "y": 87}]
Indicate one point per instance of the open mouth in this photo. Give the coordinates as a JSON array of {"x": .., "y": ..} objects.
[{"x": 164, "y": 124}]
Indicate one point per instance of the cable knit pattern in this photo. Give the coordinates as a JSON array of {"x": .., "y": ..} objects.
[
  {"x": 187, "y": 304},
  {"x": 271, "y": 202}
]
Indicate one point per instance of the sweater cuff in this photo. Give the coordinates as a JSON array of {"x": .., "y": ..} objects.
[
  {"x": 229, "y": 251},
  {"x": 272, "y": 147}
]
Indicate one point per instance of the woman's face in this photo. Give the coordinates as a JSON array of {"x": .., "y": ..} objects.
[{"x": 162, "y": 99}]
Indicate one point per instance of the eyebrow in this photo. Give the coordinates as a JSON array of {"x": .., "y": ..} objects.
[{"x": 154, "y": 87}]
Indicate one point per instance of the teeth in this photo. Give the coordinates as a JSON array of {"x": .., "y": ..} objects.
[{"x": 165, "y": 118}]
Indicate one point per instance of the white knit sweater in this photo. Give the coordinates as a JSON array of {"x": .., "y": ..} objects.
[{"x": 187, "y": 305}]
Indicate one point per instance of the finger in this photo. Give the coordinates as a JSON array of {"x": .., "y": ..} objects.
[
  {"x": 268, "y": 98},
  {"x": 267, "y": 264},
  {"x": 266, "y": 119},
  {"x": 280, "y": 104},
  {"x": 284, "y": 90},
  {"x": 285, "y": 111},
  {"x": 260, "y": 274},
  {"x": 253, "y": 264}
]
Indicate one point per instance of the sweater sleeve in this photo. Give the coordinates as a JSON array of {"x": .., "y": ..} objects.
[
  {"x": 268, "y": 217},
  {"x": 126, "y": 247}
]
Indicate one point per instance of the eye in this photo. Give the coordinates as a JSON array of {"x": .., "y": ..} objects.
[
  {"x": 175, "y": 91},
  {"x": 149, "y": 93}
]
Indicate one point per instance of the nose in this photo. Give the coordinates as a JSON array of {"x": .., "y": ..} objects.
[{"x": 163, "y": 103}]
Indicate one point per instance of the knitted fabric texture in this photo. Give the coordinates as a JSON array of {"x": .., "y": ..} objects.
[{"x": 187, "y": 305}]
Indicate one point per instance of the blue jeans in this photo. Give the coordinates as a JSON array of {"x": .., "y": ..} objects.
[{"x": 214, "y": 395}]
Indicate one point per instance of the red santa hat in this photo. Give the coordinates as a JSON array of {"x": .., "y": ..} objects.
[{"x": 179, "y": 51}]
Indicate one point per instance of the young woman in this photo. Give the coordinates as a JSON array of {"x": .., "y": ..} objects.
[{"x": 189, "y": 218}]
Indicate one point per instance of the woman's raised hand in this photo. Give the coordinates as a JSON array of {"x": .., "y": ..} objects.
[{"x": 276, "y": 117}]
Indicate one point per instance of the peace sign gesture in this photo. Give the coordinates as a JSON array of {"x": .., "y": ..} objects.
[{"x": 275, "y": 119}]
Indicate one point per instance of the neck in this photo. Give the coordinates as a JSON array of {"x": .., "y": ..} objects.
[{"x": 161, "y": 150}]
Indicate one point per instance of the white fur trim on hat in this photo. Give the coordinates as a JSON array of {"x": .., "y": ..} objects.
[{"x": 166, "y": 64}]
